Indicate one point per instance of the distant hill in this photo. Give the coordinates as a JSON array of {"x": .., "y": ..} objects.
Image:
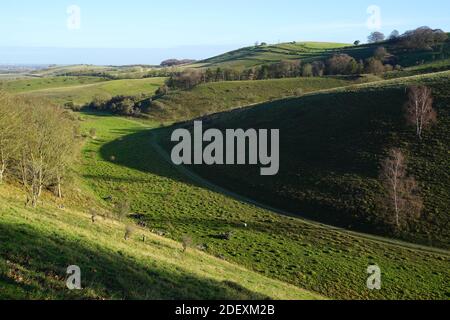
[
  {"x": 176, "y": 62},
  {"x": 313, "y": 51},
  {"x": 257, "y": 55}
]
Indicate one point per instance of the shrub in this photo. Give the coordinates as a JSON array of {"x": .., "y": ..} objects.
[
  {"x": 129, "y": 230},
  {"x": 186, "y": 242},
  {"x": 122, "y": 209}
]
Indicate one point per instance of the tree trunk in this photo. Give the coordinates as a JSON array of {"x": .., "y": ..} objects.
[
  {"x": 2, "y": 171},
  {"x": 59, "y": 187}
]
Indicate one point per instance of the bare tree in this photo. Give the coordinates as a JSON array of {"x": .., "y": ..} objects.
[
  {"x": 419, "y": 109},
  {"x": 380, "y": 53},
  {"x": 122, "y": 209},
  {"x": 374, "y": 66},
  {"x": 9, "y": 132},
  {"x": 403, "y": 198},
  {"x": 47, "y": 141}
]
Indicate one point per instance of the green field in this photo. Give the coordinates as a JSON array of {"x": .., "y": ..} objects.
[
  {"x": 221, "y": 96},
  {"x": 331, "y": 148},
  {"x": 313, "y": 51},
  {"x": 308, "y": 233},
  {"x": 48, "y": 240},
  {"x": 84, "y": 93},
  {"x": 253, "y": 56},
  {"x": 111, "y": 72},
  {"x": 33, "y": 84}
]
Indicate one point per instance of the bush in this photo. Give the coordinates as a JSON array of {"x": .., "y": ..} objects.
[
  {"x": 187, "y": 243},
  {"x": 162, "y": 91},
  {"x": 122, "y": 209},
  {"x": 342, "y": 64},
  {"x": 129, "y": 230}
]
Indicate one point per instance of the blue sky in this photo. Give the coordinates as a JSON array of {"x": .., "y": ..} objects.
[{"x": 190, "y": 28}]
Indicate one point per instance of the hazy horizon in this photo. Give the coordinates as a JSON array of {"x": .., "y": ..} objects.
[
  {"x": 105, "y": 56},
  {"x": 147, "y": 32}
]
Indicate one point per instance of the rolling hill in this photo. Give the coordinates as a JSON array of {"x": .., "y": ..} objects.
[
  {"x": 214, "y": 97},
  {"x": 81, "y": 90},
  {"x": 332, "y": 144},
  {"x": 257, "y": 55},
  {"x": 124, "y": 163},
  {"x": 291, "y": 236},
  {"x": 46, "y": 241},
  {"x": 313, "y": 51}
]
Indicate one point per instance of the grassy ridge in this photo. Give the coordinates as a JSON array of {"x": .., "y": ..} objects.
[
  {"x": 38, "y": 246},
  {"x": 32, "y": 84},
  {"x": 331, "y": 146},
  {"x": 309, "y": 256},
  {"x": 253, "y": 56},
  {"x": 84, "y": 93},
  {"x": 312, "y": 51},
  {"x": 221, "y": 96}
]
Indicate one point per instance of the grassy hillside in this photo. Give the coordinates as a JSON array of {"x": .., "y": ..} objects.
[
  {"x": 312, "y": 51},
  {"x": 220, "y": 96},
  {"x": 253, "y": 56},
  {"x": 331, "y": 147},
  {"x": 124, "y": 163},
  {"x": 38, "y": 245},
  {"x": 32, "y": 84},
  {"x": 115, "y": 72},
  {"x": 62, "y": 92},
  {"x": 431, "y": 67}
]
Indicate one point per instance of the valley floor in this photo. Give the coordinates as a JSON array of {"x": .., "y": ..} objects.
[{"x": 123, "y": 163}]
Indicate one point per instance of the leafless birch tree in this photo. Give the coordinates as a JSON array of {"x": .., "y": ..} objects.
[
  {"x": 419, "y": 109},
  {"x": 402, "y": 201}
]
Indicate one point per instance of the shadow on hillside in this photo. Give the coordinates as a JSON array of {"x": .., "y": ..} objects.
[
  {"x": 135, "y": 151},
  {"x": 33, "y": 265}
]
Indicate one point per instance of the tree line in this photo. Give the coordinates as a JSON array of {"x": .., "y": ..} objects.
[
  {"x": 338, "y": 64},
  {"x": 423, "y": 38},
  {"x": 37, "y": 145}
]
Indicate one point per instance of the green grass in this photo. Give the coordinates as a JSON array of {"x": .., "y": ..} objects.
[
  {"x": 84, "y": 93},
  {"x": 38, "y": 245},
  {"x": 116, "y": 72},
  {"x": 123, "y": 163},
  {"x": 313, "y": 51},
  {"x": 332, "y": 144},
  {"x": 32, "y": 84},
  {"x": 253, "y": 56},
  {"x": 431, "y": 67},
  {"x": 220, "y": 96}
]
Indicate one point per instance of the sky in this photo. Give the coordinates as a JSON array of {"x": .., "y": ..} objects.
[{"x": 148, "y": 31}]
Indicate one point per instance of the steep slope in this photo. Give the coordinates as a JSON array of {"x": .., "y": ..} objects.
[
  {"x": 123, "y": 162},
  {"x": 257, "y": 55},
  {"x": 313, "y": 51},
  {"x": 221, "y": 96},
  {"x": 38, "y": 245},
  {"x": 332, "y": 144}
]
